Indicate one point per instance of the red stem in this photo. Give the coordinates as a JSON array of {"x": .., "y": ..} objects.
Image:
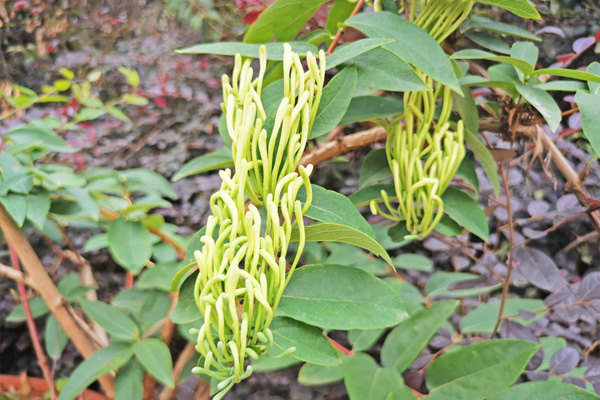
[
  {"x": 129, "y": 280},
  {"x": 341, "y": 348},
  {"x": 359, "y": 4},
  {"x": 35, "y": 337}
]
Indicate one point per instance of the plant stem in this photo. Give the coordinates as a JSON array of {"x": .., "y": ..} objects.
[
  {"x": 359, "y": 4},
  {"x": 35, "y": 337}
]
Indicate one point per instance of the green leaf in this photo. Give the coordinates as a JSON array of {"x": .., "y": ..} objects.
[
  {"x": 448, "y": 227},
  {"x": 101, "y": 362},
  {"x": 131, "y": 75},
  {"x": 562, "y": 86},
  {"x": 364, "y": 196},
  {"x": 96, "y": 242},
  {"x": 522, "y": 8},
  {"x": 359, "y": 373},
  {"x": 543, "y": 102},
  {"x": 147, "y": 181},
  {"x": 339, "y": 12},
  {"x": 478, "y": 371},
  {"x": 335, "y": 208},
  {"x": 112, "y": 319},
  {"x": 323, "y": 295},
  {"x": 269, "y": 364},
  {"x": 328, "y": 232},
  {"x": 569, "y": 73},
  {"x": 388, "y": 384},
  {"x": 594, "y": 68},
  {"x": 467, "y": 109},
  {"x": 334, "y": 102},
  {"x": 310, "y": 343},
  {"x": 458, "y": 284},
  {"x": 118, "y": 114},
  {"x": 365, "y": 108},
  {"x": 479, "y": 22},
  {"x": 406, "y": 341},
  {"x": 71, "y": 288},
  {"x": 284, "y": 19},
  {"x": 473, "y": 54},
  {"x": 38, "y": 138},
  {"x": 348, "y": 51},
  {"x": 467, "y": 172},
  {"x": 129, "y": 382},
  {"x": 186, "y": 310},
  {"x": 155, "y": 356},
  {"x": 364, "y": 339},
  {"x": 89, "y": 206},
  {"x": 17, "y": 184},
  {"x": 544, "y": 390},
  {"x": 130, "y": 244},
  {"x": 489, "y": 42},
  {"x": 589, "y": 107},
  {"x": 207, "y": 162},
  {"x": 274, "y": 50},
  {"x": 55, "y": 338},
  {"x": 550, "y": 345},
  {"x": 11, "y": 168},
  {"x": 485, "y": 158},
  {"x": 466, "y": 212},
  {"x": 162, "y": 273},
  {"x": 16, "y": 206},
  {"x": 38, "y": 308},
  {"x": 483, "y": 319},
  {"x": 384, "y": 70},
  {"x": 375, "y": 168},
  {"x": 413, "y": 261},
  {"x": 412, "y": 44},
  {"x": 37, "y": 209},
  {"x": 318, "y": 375}
]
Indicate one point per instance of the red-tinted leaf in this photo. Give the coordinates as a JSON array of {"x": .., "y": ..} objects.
[{"x": 252, "y": 16}]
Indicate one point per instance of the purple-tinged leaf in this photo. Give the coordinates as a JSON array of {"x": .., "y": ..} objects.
[
  {"x": 558, "y": 296},
  {"x": 538, "y": 375},
  {"x": 567, "y": 203},
  {"x": 575, "y": 122},
  {"x": 533, "y": 234},
  {"x": 583, "y": 44},
  {"x": 597, "y": 388},
  {"x": 552, "y": 30},
  {"x": 593, "y": 374},
  {"x": 567, "y": 312},
  {"x": 574, "y": 381},
  {"x": 589, "y": 288},
  {"x": 536, "y": 361},
  {"x": 564, "y": 361},
  {"x": 538, "y": 208},
  {"x": 595, "y": 306},
  {"x": 527, "y": 315},
  {"x": 536, "y": 267}
]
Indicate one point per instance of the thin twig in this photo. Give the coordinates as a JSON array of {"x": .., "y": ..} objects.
[
  {"x": 35, "y": 337},
  {"x": 335, "y": 41},
  {"x": 511, "y": 239},
  {"x": 588, "y": 237},
  {"x": 17, "y": 276}
]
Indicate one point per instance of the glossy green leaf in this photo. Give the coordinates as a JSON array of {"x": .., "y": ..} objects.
[
  {"x": 364, "y": 339},
  {"x": 55, "y": 338},
  {"x": 412, "y": 44},
  {"x": 375, "y": 168},
  {"x": 406, "y": 341},
  {"x": 310, "y": 343},
  {"x": 385, "y": 70},
  {"x": 129, "y": 382},
  {"x": 129, "y": 242},
  {"x": 147, "y": 181},
  {"x": 324, "y": 295},
  {"x": 562, "y": 86},
  {"x": 480, "y": 370},
  {"x": 339, "y": 12},
  {"x": 38, "y": 207},
  {"x": 88, "y": 204},
  {"x": 155, "y": 356},
  {"x": 483, "y": 154},
  {"x": 543, "y": 102},
  {"x": 411, "y": 296},
  {"x": 207, "y": 162},
  {"x": 569, "y": 73},
  {"x": 364, "y": 196},
  {"x": 489, "y": 42},
  {"x": 162, "y": 273},
  {"x": 38, "y": 308},
  {"x": 269, "y": 364},
  {"x": 467, "y": 172},
  {"x": 522, "y": 8},
  {"x": 284, "y": 19},
  {"x": 413, "y": 261},
  {"x": 16, "y": 206},
  {"x": 473, "y": 54},
  {"x": 112, "y": 319},
  {"x": 467, "y": 109},
  {"x": 589, "y": 107},
  {"x": 186, "y": 309},
  {"x": 101, "y": 362},
  {"x": 335, "y": 208},
  {"x": 594, "y": 68},
  {"x": 458, "y": 284},
  {"x": 466, "y": 212},
  {"x": 38, "y": 138},
  {"x": 96, "y": 242},
  {"x": 318, "y": 375},
  {"x": 348, "y": 51},
  {"x": 479, "y": 22},
  {"x": 359, "y": 372},
  {"x": 483, "y": 318},
  {"x": 274, "y": 50},
  {"x": 12, "y": 168},
  {"x": 365, "y": 108},
  {"x": 448, "y": 227},
  {"x": 328, "y": 232},
  {"x": 388, "y": 385},
  {"x": 334, "y": 102},
  {"x": 544, "y": 390}
]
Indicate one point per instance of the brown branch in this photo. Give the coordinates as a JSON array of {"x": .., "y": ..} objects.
[
  {"x": 35, "y": 337},
  {"x": 343, "y": 145},
  {"x": 57, "y": 304},
  {"x": 17, "y": 276},
  {"x": 186, "y": 355}
]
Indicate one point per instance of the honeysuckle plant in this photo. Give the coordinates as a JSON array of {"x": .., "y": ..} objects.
[{"x": 286, "y": 271}]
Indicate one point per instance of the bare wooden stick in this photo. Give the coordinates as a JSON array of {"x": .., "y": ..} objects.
[
  {"x": 17, "y": 276},
  {"x": 57, "y": 304}
]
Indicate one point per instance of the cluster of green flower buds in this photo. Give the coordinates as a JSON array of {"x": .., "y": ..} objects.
[
  {"x": 426, "y": 151},
  {"x": 243, "y": 266}
]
